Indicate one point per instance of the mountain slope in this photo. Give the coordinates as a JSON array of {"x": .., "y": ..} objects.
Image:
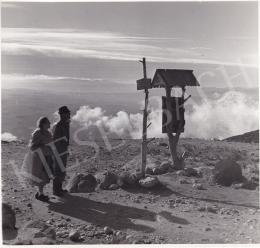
[{"x": 249, "y": 137}]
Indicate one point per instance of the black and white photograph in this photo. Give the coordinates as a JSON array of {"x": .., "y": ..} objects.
[{"x": 129, "y": 122}]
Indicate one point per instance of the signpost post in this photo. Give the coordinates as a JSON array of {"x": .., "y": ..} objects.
[
  {"x": 145, "y": 114},
  {"x": 144, "y": 84}
]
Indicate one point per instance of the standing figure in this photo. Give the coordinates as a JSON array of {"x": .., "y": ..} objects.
[
  {"x": 38, "y": 162},
  {"x": 61, "y": 137}
]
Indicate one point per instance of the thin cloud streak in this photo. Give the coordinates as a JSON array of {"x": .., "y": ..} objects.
[{"x": 41, "y": 77}]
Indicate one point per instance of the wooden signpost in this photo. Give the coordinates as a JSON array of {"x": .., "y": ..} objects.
[
  {"x": 144, "y": 84},
  {"x": 173, "y": 107}
]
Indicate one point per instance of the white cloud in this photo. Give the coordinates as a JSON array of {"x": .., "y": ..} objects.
[
  {"x": 8, "y": 137},
  {"x": 103, "y": 45}
]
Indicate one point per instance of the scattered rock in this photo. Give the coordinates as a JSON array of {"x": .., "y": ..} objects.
[
  {"x": 29, "y": 205},
  {"x": 163, "y": 144},
  {"x": 212, "y": 209},
  {"x": 74, "y": 236},
  {"x": 108, "y": 230},
  {"x": 229, "y": 211},
  {"x": 38, "y": 232},
  {"x": 118, "y": 233},
  {"x": 183, "y": 181},
  {"x": 128, "y": 179},
  {"x": 237, "y": 185},
  {"x": 208, "y": 229},
  {"x": 113, "y": 187},
  {"x": 164, "y": 166},
  {"x": 198, "y": 186},
  {"x": 190, "y": 172},
  {"x": 80, "y": 183},
  {"x": 73, "y": 183},
  {"x": 149, "y": 182},
  {"x": 227, "y": 171},
  {"x": 249, "y": 184},
  {"x": 180, "y": 173},
  {"x": 87, "y": 183},
  {"x": 8, "y": 217},
  {"x": 106, "y": 179}
]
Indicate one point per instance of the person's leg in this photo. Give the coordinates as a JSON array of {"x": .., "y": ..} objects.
[
  {"x": 39, "y": 195},
  {"x": 59, "y": 176},
  {"x": 40, "y": 189}
]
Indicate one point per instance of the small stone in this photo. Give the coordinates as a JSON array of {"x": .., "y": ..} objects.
[
  {"x": 180, "y": 173},
  {"x": 49, "y": 221},
  {"x": 208, "y": 229},
  {"x": 184, "y": 181},
  {"x": 113, "y": 187},
  {"x": 108, "y": 230},
  {"x": 118, "y": 233},
  {"x": 198, "y": 186},
  {"x": 29, "y": 205},
  {"x": 68, "y": 219},
  {"x": 149, "y": 182},
  {"x": 74, "y": 236},
  {"x": 128, "y": 237},
  {"x": 212, "y": 209}
]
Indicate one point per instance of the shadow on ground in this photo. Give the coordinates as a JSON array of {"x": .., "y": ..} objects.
[
  {"x": 159, "y": 190},
  {"x": 113, "y": 215}
]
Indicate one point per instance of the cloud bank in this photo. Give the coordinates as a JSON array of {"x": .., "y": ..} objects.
[
  {"x": 231, "y": 114},
  {"x": 8, "y": 137}
]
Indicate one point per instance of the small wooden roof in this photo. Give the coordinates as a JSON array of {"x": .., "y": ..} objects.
[{"x": 174, "y": 78}]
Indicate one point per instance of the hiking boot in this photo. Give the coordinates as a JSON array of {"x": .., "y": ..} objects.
[{"x": 42, "y": 197}]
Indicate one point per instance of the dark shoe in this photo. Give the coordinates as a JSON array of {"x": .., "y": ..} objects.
[
  {"x": 59, "y": 194},
  {"x": 42, "y": 197}
]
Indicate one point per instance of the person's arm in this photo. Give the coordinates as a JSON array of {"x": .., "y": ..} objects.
[
  {"x": 36, "y": 140},
  {"x": 59, "y": 137}
]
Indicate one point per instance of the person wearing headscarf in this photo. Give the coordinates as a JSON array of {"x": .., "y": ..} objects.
[{"x": 39, "y": 161}]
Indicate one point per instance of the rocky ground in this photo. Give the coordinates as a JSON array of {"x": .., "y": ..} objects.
[{"x": 175, "y": 212}]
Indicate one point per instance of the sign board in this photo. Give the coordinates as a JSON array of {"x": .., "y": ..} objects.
[
  {"x": 143, "y": 84},
  {"x": 174, "y": 118}
]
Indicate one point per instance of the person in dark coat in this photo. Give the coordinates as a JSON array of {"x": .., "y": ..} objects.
[{"x": 61, "y": 133}]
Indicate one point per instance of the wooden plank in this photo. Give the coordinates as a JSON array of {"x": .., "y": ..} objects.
[{"x": 144, "y": 83}]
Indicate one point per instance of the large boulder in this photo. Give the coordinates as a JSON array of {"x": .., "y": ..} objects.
[
  {"x": 105, "y": 179},
  {"x": 87, "y": 183},
  {"x": 226, "y": 172},
  {"x": 149, "y": 182},
  {"x": 82, "y": 183},
  {"x": 72, "y": 186},
  {"x": 129, "y": 178},
  {"x": 157, "y": 169},
  {"x": 190, "y": 172},
  {"x": 8, "y": 217}
]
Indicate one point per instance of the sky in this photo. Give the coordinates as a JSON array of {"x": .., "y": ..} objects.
[{"x": 95, "y": 42}]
